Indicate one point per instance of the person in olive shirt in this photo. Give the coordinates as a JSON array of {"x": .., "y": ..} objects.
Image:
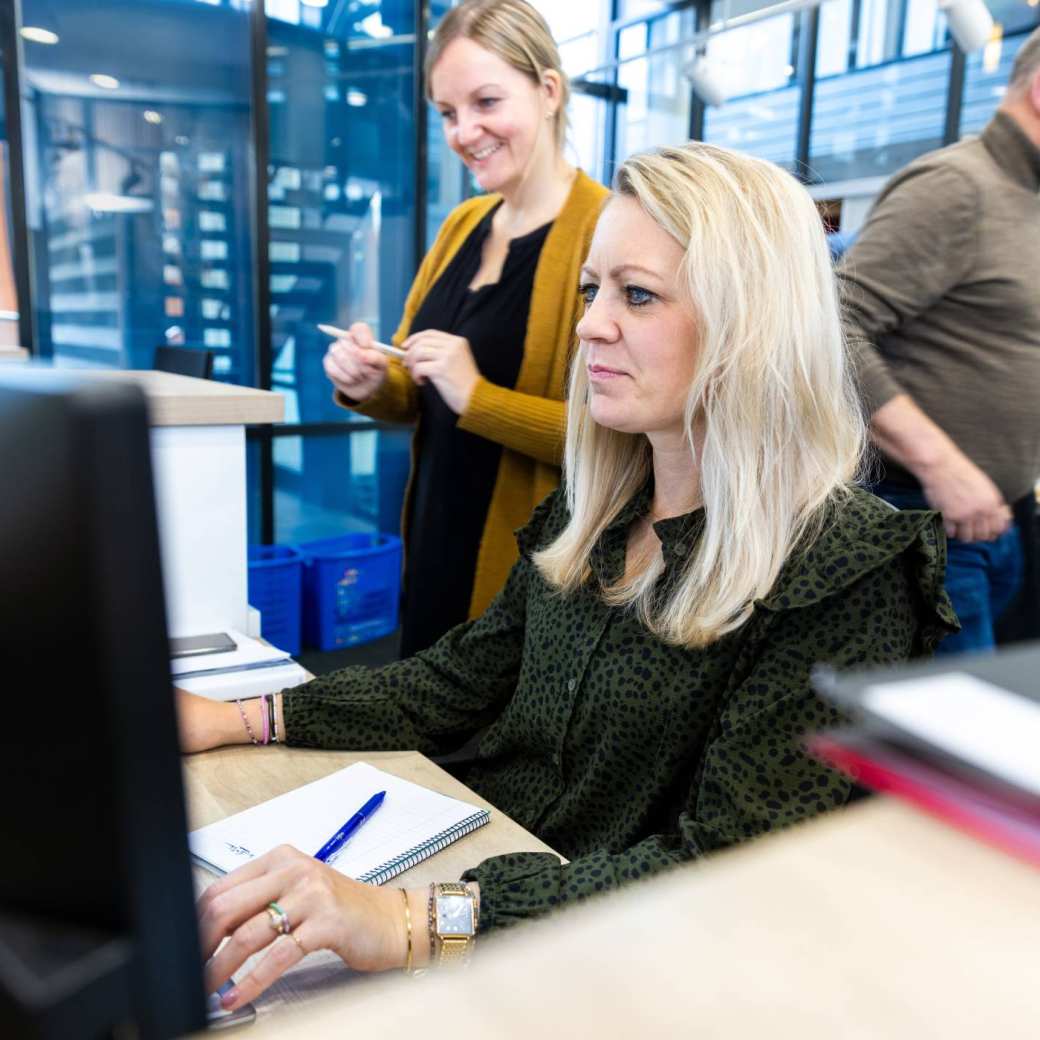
[
  {"x": 643, "y": 678},
  {"x": 942, "y": 310}
]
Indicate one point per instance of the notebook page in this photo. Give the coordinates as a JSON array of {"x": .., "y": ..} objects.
[
  {"x": 308, "y": 816},
  {"x": 980, "y": 723}
]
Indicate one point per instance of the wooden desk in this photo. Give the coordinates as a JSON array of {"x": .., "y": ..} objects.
[
  {"x": 227, "y": 781},
  {"x": 875, "y": 923}
]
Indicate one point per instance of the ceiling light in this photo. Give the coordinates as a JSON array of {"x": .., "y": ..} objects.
[
  {"x": 373, "y": 26},
  {"x": 706, "y": 80},
  {"x": 109, "y": 202},
  {"x": 315, "y": 3},
  {"x": 356, "y": 98},
  {"x": 106, "y": 82},
  {"x": 38, "y": 35},
  {"x": 971, "y": 24},
  {"x": 153, "y": 117}
]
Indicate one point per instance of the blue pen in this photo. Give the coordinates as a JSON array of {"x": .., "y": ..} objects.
[{"x": 329, "y": 850}]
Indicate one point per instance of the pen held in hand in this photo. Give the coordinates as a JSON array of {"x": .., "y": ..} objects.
[
  {"x": 385, "y": 348},
  {"x": 334, "y": 845}
]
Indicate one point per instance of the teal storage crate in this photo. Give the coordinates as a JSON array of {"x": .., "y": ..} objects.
[
  {"x": 351, "y": 589},
  {"x": 275, "y": 589}
]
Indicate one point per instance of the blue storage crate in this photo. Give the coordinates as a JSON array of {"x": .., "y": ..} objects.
[
  {"x": 275, "y": 589},
  {"x": 351, "y": 589}
]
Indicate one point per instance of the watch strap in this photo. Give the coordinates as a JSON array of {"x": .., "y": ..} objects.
[{"x": 454, "y": 949}]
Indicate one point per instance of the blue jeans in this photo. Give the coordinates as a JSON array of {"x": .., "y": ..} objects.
[{"x": 982, "y": 578}]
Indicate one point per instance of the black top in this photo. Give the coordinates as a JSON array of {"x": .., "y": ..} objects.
[{"x": 455, "y": 470}]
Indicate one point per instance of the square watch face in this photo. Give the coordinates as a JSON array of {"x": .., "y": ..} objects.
[{"x": 454, "y": 915}]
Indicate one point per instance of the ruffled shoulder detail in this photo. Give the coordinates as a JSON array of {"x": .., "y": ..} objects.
[
  {"x": 863, "y": 534},
  {"x": 547, "y": 521}
]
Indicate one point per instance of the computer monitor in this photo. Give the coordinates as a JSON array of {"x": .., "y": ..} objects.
[{"x": 97, "y": 917}]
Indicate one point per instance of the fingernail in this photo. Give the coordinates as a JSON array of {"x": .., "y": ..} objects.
[{"x": 229, "y": 998}]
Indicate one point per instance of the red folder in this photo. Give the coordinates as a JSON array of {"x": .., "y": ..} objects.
[{"x": 880, "y": 766}]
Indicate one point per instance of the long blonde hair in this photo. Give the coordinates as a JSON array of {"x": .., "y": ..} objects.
[
  {"x": 773, "y": 396},
  {"x": 515, "y": 32}
]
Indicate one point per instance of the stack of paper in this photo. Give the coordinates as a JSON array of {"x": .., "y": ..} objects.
[
  {"x": 249, "y": 670},
  {"x": 954, "y": 744}
]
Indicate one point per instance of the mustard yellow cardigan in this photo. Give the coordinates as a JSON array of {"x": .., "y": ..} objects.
[{"x": 528, "y": 421}]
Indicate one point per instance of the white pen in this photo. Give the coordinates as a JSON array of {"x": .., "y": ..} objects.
[{"x": 331, "y": 330}]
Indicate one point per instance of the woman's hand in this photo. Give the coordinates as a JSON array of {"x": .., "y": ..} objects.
[
  {"x": 447, "y": 362},
  {"x": 363, "y": 924},
  {"x": 355, "y": 369},
  {"x": 205, "y": 724}
]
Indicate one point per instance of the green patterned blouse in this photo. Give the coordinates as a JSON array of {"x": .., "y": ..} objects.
[{"x": 625, "y": 754}]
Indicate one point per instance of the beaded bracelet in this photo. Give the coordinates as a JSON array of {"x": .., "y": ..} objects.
[{"x": 245, "y": 719}]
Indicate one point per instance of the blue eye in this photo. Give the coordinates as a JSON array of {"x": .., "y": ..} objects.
[
  {"x": 488, "y": 102},
  {"x": 587, "y": 292},
  {"x": 447, "y": 114},
  {"x": 637, "y": 296}
]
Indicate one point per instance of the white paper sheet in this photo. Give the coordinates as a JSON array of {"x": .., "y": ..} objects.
[{"x": 982, "y": 724}]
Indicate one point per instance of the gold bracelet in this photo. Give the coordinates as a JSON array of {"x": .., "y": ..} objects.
[{"x": 408, "y": 925}]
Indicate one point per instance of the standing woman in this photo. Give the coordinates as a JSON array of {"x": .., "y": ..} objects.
[{"x": 488, "y": 325}]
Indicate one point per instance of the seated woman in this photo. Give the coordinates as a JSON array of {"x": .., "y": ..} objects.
[{"x": 643, "y": 677}]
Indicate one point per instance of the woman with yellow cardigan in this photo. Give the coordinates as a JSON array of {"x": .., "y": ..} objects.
[{"x": 488, "y": 325}]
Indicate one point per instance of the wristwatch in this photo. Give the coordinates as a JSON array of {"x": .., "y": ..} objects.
[{"x": 453, "y": 921}]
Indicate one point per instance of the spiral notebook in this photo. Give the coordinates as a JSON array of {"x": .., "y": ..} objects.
[{"x": 411, "y": 825}]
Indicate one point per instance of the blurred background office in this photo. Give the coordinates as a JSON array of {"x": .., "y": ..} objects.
[{"x": 224, "y": 174}]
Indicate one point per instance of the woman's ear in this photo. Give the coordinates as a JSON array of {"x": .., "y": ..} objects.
[{"x": 552, "y": 88}]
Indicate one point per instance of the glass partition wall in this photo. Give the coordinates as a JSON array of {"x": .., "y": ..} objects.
[
  {"x": 224, "y": 174},
  {"x": 342, "y": 197},
  {"x": 137, "y": 163}
]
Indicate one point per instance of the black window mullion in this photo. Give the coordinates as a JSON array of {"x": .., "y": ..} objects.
[
  {"x": 954, "y": 94},
  {"x": 420, "y": 122},
  {"x": 10, "y": 16},
  {"x": 809, "y": 35},
  {"x": 262, "y": 347}
]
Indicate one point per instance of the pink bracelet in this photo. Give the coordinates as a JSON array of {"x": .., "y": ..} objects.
[{"x": 264, "y": 717}]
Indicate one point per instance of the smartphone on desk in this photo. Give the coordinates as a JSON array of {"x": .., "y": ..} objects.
[{"x": 194, "y": 646}]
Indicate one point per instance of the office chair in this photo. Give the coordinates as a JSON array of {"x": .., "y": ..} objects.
[{"x": 184, "y": 361}]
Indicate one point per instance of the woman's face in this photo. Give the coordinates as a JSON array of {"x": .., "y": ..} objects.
[
  {"x": 495, "y": 119},
  {"x": 638, "y": 332}
]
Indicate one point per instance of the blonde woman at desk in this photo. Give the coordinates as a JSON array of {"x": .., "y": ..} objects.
[
  {"x": 643, "y": 677},
  {"x": 488, "y": 326}
]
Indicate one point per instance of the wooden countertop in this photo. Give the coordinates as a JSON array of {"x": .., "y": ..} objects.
[
  {"x": 219, "y": 783},
  {"x": 184, "y": 401},
  {"x": 175, "y": 400},
  {"x": 873, "y": 922}
]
